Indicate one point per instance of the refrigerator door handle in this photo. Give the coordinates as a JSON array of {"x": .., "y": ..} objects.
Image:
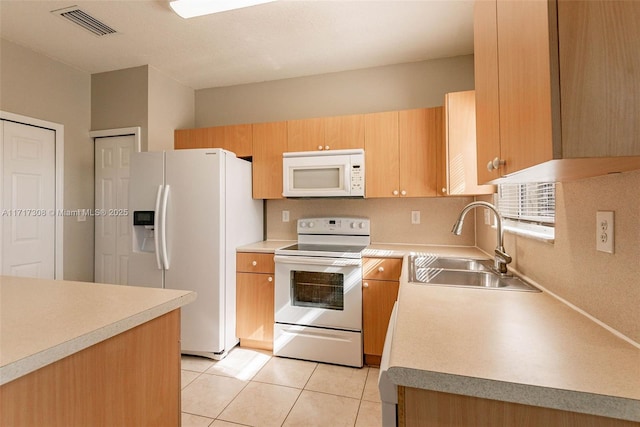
[
  {"x": 157, "y": 238},
  {"x": 163, "y": 227}
]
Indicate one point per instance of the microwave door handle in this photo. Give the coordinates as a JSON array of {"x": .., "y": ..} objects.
[{"x": 338, "y": 262}]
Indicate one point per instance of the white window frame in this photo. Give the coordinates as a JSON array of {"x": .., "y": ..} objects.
[{"x": 528, "y": 209}]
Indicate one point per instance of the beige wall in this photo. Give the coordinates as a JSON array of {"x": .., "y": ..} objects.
[
  {"x": 36, "y": 86},
  {"x": 395, "y": 87},
  {"x": 142, "y": 96},
  {"x": 171, "y": 106},
  {"x": 607, "y": 286},
  {"x": 390, "y": 218},
  {"x": 119, "y": 99}
]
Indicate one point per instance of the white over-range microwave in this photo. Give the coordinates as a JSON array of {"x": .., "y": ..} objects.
[{"x": 334, "y": 173}]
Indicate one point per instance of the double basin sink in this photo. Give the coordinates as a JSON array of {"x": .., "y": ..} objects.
[{"x": 433, "y": 270}]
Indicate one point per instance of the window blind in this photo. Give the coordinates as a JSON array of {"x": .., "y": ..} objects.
[{"x": 529, "y": 202}]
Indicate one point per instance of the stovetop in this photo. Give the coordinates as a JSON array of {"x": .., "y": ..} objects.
[
  {"x": 322, "y": 250},
  {"x": 335, "y": 237}
]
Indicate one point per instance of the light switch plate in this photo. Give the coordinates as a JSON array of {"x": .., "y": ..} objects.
[
  {"x": 415, "y": 217},
  {"x": 285, "y": 216},
  {"x": 605, "y": 231}
]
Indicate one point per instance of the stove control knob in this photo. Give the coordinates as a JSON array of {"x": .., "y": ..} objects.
[
  {"x": 311, "y": 224},
  {"x": 361, "y": 225},
  {"x": 303, "y": 224},
  {"x": 353, "y": 225}
]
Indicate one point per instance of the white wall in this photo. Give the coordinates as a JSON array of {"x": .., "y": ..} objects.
[
  {"x": 171, "y": 106},
  {"x": 394, "y": 87},
  {"x": 36, "y": 86},
  {"x": 142, "y": 96}
]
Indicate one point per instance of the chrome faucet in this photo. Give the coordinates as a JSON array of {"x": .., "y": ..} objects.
[{"x": 501, "y": 257}]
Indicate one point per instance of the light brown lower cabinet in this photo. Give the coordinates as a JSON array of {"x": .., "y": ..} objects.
[
  {"x": 255, "y": 300},
  {"x": 426, "y": 408},
  {"x": 131, "y": 379},
  {"x": 379, "y": 294}
]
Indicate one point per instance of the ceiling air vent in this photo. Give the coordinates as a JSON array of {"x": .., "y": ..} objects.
[{"x": 86, "y": 21}]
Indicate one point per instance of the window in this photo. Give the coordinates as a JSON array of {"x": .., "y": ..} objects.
[{"x": 528, "y": 209}]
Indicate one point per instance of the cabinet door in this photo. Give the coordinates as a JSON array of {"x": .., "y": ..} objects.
[
  {"x": 460, "y": 177},
  {"x": 269, "y": 142},
  {"x": 378, "y": 297},
  {"x": 419, "y": 132},
  {"x": 382, "y": 162},
  {"x": 343, "y": 132},
  {"x": 525, "y": 76},
  {"x": 485, "y": 44},
  {"x": 600, "y": 78},
  {"x": 238, "y": 139},
  {"x": 192, "y": 138},
  {"x": 305, "y": 135},
  {"x": 254, "y": 307}
]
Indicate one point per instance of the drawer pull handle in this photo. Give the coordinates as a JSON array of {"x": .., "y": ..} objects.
[
  {"x": 254, "y": 263},
  {"x": 365, "y": 285},
  {"x": 381, "y": 269},
  {"x": 270, "y": 279}
]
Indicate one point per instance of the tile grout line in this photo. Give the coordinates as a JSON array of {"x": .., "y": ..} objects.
[{"x": 299, "y": 394}]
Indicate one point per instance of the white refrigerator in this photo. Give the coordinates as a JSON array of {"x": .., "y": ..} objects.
[{"x": 190, "y": 209}]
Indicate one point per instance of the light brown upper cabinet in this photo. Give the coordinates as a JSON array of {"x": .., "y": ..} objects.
[
  {"x": 401, "y": 152},
  {"x": 326, "y": 133},
  {"x": 235, "y": 138},
  {"x": 269, "y": 142},
  {"x": 457, "y": 174},
  {"x": 556, "y": 88}
]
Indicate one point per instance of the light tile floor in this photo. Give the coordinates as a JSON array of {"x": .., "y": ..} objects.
[{"x": 252, "y": 388}]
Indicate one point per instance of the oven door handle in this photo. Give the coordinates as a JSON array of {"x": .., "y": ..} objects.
[{"x": 337, "y": 262}]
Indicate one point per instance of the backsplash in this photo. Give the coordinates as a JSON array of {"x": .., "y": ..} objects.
[
  {"x": 607, "y": 286},
  {"x": 390, "y": 218}
]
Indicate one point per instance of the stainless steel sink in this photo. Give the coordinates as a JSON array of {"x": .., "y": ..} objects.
[
  {"x": 463, "y": 273},
  {"x": 451, "y": 263}
]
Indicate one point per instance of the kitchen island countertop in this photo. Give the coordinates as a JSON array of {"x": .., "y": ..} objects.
[{"x": 43, "y": 321}]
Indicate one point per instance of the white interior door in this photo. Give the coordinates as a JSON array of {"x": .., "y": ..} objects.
[
  {"x": 28, "y": 200},
  {"x": 112, "y": 228}
]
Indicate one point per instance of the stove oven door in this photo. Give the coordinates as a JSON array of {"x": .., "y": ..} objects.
[{"x": 320, "y": 292}]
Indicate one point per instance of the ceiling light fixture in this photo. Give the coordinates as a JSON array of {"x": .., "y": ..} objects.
[{"x": 193, "y": 8}]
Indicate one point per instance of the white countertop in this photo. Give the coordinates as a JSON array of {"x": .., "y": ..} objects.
[
  {"x": 397, "y": 250},
  {"x": 267, "y": 246},
  {"x": 43, "y": 321},
  {"x": 520, "y": 347}
]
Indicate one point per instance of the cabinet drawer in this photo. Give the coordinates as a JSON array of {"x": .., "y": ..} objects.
[
  {"x": 251, "y": 262},
  {"x": 382, "y": 268}
]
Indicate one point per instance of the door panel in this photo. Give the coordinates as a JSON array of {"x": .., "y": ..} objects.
[
  {"x": 113, "y": 230},
  {"x": 28, "y": 200}
]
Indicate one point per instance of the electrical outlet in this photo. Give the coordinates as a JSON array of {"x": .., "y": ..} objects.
[
  {"x": 285, "y": 216},
  {"x": 415, "y": 217},
  {"x": 487, "y": 217},
  {"x": 605, "y": 231}
]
